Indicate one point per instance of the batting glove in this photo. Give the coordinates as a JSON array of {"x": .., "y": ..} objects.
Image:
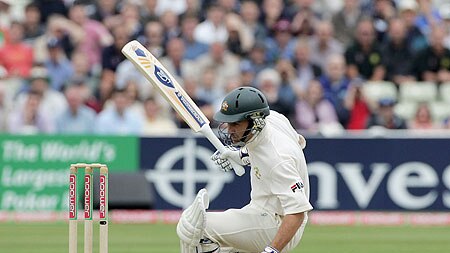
[
  {"x": 270, "y": 249},
  {"x": 223, "y": 164},
  {"x": 239, "y": 155}
]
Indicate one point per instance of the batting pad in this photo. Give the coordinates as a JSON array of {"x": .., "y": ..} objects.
[{"x": 192, "y": 222}]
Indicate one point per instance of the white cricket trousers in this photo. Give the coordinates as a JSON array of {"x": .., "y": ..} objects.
[{"x": 249, "y": 229}]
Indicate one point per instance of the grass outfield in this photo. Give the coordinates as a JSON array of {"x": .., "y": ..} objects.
[{"x": 160, "y": 238}]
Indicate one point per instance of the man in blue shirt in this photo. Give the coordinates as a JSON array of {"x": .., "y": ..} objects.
[
  {"x": 118, "y": 119},
  {"x": 77, "y": 118}
]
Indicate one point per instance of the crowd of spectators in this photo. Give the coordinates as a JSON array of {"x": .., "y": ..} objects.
[{"x": 61, "y": 69}]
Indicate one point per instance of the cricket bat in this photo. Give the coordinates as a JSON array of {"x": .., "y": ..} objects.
[{"x": 171, "y": 90}]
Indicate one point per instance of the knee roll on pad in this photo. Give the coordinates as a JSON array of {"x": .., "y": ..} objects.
[{"x": 192, "y": 222}]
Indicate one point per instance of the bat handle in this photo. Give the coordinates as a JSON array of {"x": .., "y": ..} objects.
[{"x": 209, "y": 134}]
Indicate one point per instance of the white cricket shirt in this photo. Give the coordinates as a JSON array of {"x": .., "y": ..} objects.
[{"x": 279, "y": 177}]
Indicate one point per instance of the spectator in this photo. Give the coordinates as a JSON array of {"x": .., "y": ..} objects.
[
  {"x": 207, "y": 90},
  {"x": 282, "y": 44},
  {"x": 130, "y": 18},
  {"x": 67, "y": 32},
  {"x": 193, "y": 8},
  {"x": 240, "y": 39},
  {"x": 111, "y": 58},
  {"x": 156, "y": 123},
  {"x": 96, "y": 35},
  {"x": 229, "y": 6},
  {"x": 30, "y": 118},
  {"x": 357, "y": 107},
  {"x": 213, "y": 28},
  {"x": 383, "y": 11},
  {"x": 193, "y": 47},
  {"x": 396, "y": 54},
  {"x": 286, "y": 93},
  {"x": 225, "y": 64},
  {"x": 408, "y": 13},
  {"x": 148, "y": 11},
  {"x": 257, "y": 57},
  {"x": 50, "y": 8},
  {"x": 428, "y": 16},
  {"x": 433, "y": 63},
  {"x": 119, "y": 119},
  {"x": 385, "y": 116},
  {"x": 364, "y": 56},
  {"x": 250, "y": 14},
  {"x": 346, "y": 20},
  {"x": 177, "y": 7},
  {"x": 170, "y": 21},
  {"x": 323, "y": 45},
  {"x": 268, "y": 81},
  {"x": 104, "y": 10},
  {"x": 335, "y": 85},
  {"x": 32, "y": 23},
  {"x": 16, "y": 56},
  {"x": 247, "y": 77},
  {"x": 52, "y": 102},
  {"x": 81, "y": 70},
  {"x": 445, "y": 15},
  {"x": 304, "y": 18},
  {"x": 313, "y": 112},
  {"x": 305, "y": 69},
  {"x": 272, "y": 12},
  {"x": 59, "y": 68},
  {"x": 174, "y": 62},
  {"x": 423, "y": 119},
  {"x": 154, "y": 38},
  {"x": 135, "y": 103},
  {"x": 77, "y": 118}
]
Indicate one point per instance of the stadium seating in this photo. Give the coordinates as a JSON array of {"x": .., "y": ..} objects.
[
  {"x": 376, "y": 90},
  {"x": 444, "y": 92},
  {"x": 440, "y": 110},
  {"x": 418, "y": 92},
  {"x": 405, "y": 110}
]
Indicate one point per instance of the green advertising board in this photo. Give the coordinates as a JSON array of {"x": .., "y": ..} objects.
[{"x": 34, "y": 170}]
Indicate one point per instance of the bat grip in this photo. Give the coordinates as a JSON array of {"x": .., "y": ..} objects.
[{"x": 209, "y": 134}]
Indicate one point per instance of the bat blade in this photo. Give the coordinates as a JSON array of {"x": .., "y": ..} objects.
[{"x": 161, "y": 79}]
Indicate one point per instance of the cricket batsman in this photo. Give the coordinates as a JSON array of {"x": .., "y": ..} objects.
[{"x": 277, "y": 214}]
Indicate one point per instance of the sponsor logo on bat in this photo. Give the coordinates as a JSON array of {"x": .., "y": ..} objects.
[
  {"x": 190, "y": 109},
  {"x": 163, "y": 77}
]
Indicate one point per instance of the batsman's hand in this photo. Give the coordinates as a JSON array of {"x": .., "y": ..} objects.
[{"x": 238, "y": 155}]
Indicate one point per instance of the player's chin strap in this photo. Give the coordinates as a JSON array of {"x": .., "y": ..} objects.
[
  {"x": 255, "y": 126},
  {"x": 191, "y": 226}
]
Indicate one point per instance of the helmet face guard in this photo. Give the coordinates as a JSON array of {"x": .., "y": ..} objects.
[
  {"x": 244, "y": 103},
  {"x": 255, "y": 126}
]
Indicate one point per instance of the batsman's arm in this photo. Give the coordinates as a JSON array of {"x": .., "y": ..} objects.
[{"x": 291, "y": 223}]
